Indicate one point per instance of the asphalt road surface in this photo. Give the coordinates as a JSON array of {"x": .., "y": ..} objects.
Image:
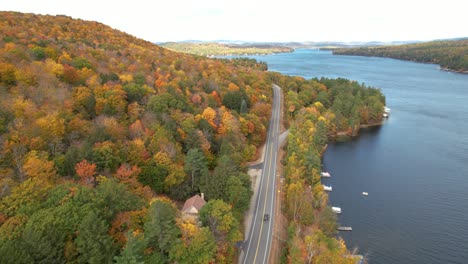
[{"x": 256, "y": 248}]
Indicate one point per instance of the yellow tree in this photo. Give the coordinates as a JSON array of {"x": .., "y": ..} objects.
[
  {"x": 36, "y": 165},
  {"x": 52, "y": 130},
  {"x": 209, "y": 114},
  {"x": 294, "y": 200}
]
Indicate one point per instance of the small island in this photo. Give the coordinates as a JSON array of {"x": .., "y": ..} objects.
[
  {"x": 219, "y": 49},
  {"x": 451, "y": 55}
]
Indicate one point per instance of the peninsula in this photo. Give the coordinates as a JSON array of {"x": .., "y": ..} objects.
[
  {"x": 220, "y": 49},
  {"x": 449, "y": 54}
]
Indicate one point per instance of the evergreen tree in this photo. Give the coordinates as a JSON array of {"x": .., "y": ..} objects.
[
  {"x": 93, "y": 243},
  {"x": 133, "y": 252},
  {"x": 196, "y": 166},
  {"x": 161, "y": 231}
]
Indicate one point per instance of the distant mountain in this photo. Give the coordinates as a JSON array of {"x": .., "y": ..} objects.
[
  {"x": 266, "y": 44},
  {"x": 216, "y": 49}
]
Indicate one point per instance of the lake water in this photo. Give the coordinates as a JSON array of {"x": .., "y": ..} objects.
[{"x": 414, "y": 167}]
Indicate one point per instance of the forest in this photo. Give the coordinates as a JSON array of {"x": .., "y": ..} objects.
[
  {"x": 449, "y": 54},
  {"x": 317, "y": 110},
  {"x": 103, "y": 136}
]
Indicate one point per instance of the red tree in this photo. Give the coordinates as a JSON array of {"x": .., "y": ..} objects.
[{"x": 86, "y": 172}]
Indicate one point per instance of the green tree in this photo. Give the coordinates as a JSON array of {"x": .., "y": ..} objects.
[
  {"x": 153, "y": 175},
  {"x": 111, "y": 198},
  {"x": 38, "y": 53},
  {"x": 196, "y": 166},
  {"x": 80, "y": 63},
  {"x": 312, "y": 163},
  {"x": 200, "y": 248},
  {"x": 218, "y": 216},
  {"x": 133, "y": 253},
  {"x": 135, "y": 92},
  {"x": 328, "y": 222},
  {"x": 238, "y": 193},
  {"x": 45, "y": 235},
  {"x": 106, "y": 155},
  {"x": 93, "y": 243},
  {"x": 320, "y": 135},
  {"x": 214, "y": 185},
  {"x": 161, "y": 231},
  {"x": 322, "y": 97},
  {"x": 233, "y": 100},
  {"x": 14, "y": 251}
]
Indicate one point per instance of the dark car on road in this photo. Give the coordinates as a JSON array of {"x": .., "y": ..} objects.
[{"x": 266, "y": 217}]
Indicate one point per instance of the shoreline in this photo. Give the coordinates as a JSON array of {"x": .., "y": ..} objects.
[
  {"x": 416, "y": 61},
  {"x": 450, "y": 70},
  {"x": 346, "y": 134}
]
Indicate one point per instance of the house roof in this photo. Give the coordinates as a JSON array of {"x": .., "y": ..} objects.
[{"x": 195, "y": 201}]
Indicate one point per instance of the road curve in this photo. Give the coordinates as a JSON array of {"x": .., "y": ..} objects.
[{"x": 256, "y": 248}]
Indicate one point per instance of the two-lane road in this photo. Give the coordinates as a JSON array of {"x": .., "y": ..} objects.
[{"x": 257, "y": 247}]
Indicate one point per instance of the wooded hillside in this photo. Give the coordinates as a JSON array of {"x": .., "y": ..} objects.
[
  {"x": 96, "y": 124},
  {"x": 449, "y": 54},
  {"x": 104, "y": 136}
]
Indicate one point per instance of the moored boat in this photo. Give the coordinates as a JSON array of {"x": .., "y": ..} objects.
[
  {"x": 344, "y": 228},
  {"x": 336, "y": 210}
]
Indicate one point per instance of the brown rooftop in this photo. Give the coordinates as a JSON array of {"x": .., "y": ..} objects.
[{"x": 196, "y": 202}]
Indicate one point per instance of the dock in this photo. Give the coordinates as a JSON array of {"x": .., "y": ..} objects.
[{"x": 344, "y": 228}]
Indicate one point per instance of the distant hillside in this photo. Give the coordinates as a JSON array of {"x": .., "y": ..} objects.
[
  {"x": 449, "y": 54},
  {"x": 215, "y": 49}
]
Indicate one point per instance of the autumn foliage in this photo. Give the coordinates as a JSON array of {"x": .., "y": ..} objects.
[
  {"x": 96, "y": 126},
  {"x": 94, "y": 115},
  {"x": 86, "y": 171}
]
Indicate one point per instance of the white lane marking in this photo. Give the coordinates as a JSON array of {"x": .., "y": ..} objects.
[
  {"x": 252, "y": 228},
  {"x": 273, "y": 193}
]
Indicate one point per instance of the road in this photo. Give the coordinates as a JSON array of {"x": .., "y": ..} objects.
[{"x": 257, "y": 246}]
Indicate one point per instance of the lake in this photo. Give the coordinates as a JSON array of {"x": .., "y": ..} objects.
[{"x": 414, "y": 167}]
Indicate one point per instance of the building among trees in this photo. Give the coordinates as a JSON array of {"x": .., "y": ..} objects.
[{"x": 193, "y": 205}]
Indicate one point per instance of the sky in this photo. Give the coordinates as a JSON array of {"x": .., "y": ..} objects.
[{"x": 266, "y": 20}]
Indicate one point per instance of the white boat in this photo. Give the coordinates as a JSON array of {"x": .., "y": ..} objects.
[
  {"x": 325, "y": 174},
  {"x": 385, "y": 115},
  {"x": 387, "y": 110},
  {"x": 365, "y": 193},
  {"x": 336, "y": 210},
  {"x": 327, "y": 188}
]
